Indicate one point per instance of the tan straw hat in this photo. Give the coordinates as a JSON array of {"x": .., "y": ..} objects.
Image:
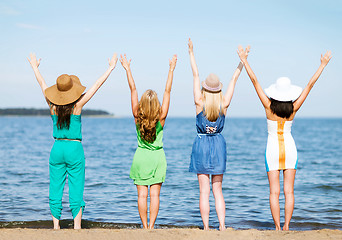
[
  {"x": 67, "y": 89},
  {"x": 212, "y": 83},
  {"x": 283, "y": 90}
]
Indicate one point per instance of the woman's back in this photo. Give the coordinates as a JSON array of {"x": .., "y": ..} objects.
[
  {"x": 204, "y": 126},
  {"x": 281, "y": 151},
  {"x": 279, "y": 127},
  {"x": 156, "y": 144},
  {"x": 209, "y": 154},
  {"x": 73, "y": 132}
]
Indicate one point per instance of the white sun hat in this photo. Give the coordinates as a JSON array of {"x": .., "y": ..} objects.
[{"x": 283, "y": 90}]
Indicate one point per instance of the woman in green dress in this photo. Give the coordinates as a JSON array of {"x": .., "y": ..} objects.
[{"x": 149, "y": 162}]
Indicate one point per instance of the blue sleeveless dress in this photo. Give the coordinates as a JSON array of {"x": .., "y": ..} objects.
[{"x": 209, "y": 154}]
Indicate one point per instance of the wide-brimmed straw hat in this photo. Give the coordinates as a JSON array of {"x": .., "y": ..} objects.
[
  {"x": 67, "y": 89},
  {"x": 212, "y": 83},
  {"x": 283, "y": 90}
]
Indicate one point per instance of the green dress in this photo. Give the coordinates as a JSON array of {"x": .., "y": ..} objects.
[{"x": 149, "y": 162}]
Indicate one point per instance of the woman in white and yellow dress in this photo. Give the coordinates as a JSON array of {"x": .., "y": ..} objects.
[{"x": 281, "y": 101}]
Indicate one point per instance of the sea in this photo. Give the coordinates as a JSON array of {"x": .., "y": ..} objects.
[{"x": 111, "y": 196}]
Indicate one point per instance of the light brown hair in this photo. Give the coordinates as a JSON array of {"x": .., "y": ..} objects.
[
  {"x": 148, "y": 115},
  {"x": 212, "y": 104}
]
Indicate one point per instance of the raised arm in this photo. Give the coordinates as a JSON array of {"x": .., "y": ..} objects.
[
  {"x": 134, "y": 94},
  {"x": 266, "y": 102},
  {"x": 90, "y": 93},
  {"x": 324, "y": 61},
  {"x": 230, "y": 90},
  {"x": 35, "y": 64},
  {"x": 167, "y": 93},
  {"x": 197, "y": 85}
]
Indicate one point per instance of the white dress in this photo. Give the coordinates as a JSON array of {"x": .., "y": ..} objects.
[{"x": 281, "y": 151}]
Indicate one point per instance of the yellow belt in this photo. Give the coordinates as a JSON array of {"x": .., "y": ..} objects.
[{"x": 66, "y": 139}]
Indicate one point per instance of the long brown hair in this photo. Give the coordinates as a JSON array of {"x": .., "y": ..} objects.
[
  {"x": 212, "y": 105},
  {"x": 63, "y": 113},
  {"x": 148, "y": 115}
]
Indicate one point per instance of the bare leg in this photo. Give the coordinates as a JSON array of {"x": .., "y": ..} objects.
[
  {"x": 55, "y": 223},
  {"x": 289, "y": 177},
  {"x": 216, "y": 181},
  {"x": 154, "y": 203},
  {"x": 142, "y": 203},
  {"x": 273, "y": 179},
  {"x": 204, "y": 185},
  {"x": 78, "y": 219}
]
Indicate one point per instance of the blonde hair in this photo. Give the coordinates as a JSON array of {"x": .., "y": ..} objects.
[
  {"x": 212, "y": 104},
  {"x": 148, "y": 115}
]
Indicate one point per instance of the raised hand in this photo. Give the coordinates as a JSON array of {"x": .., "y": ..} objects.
[
  {"x": 243, "y": 54},
  {"x": 191, "y": 46},
  {"x": 326, "y": 58},
  {"x": 248, "y": 49},
  {"x": 112, "y": 62},
  {"x": 324, "y": 61},
  {"x": 126, "y": 64},
  {"x": 33, "y": 60},
  {"x": 173, "y": 62}
]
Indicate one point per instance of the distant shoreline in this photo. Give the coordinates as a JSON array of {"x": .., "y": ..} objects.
[{"x": 38, "y": 116}]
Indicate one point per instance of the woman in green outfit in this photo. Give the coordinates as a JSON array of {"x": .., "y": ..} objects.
[
  {"x": 66, "y": 100},
  {"x": 149, "y": 162}
]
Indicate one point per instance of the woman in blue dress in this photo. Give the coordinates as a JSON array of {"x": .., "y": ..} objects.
[{"x": 209, "y": 154}]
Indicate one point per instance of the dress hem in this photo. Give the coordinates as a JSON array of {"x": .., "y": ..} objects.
[{"x": 210, "y": 173}]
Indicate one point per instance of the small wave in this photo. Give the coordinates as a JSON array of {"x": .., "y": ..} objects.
[
  {"x": 295, "y": 225},
  {"x": 330, "y": 187},
  {"x": 87, "y": 224}
]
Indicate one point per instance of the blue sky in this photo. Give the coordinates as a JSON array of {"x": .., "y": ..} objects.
[{"x": 77, "y": 37}]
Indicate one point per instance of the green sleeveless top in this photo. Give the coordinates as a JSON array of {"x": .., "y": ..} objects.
[
  {"x": 158, "y": 142},
  {"x": 74, "y": 131}
]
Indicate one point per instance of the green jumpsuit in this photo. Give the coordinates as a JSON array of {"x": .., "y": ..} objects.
[
  {"x": 149, "y": 162},
  {"x": 67, "y": 158}
]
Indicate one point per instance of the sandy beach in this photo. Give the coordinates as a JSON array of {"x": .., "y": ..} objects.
[{"x": 167, "y": 234}]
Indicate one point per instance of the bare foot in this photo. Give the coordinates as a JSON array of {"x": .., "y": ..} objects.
[
  {"x": 278, "y": 228},
  {"x": 55, "y": 223},
  {"x": 78, "y": 220},
  {"x": 222, "y": 228},
  {"x": 151, "y": 227},
  {"x": 77, "y": 226},
  {"x": 286, "y": 227}
]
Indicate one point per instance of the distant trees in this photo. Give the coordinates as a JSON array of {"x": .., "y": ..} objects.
[{"x": 43, "y": 112}]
